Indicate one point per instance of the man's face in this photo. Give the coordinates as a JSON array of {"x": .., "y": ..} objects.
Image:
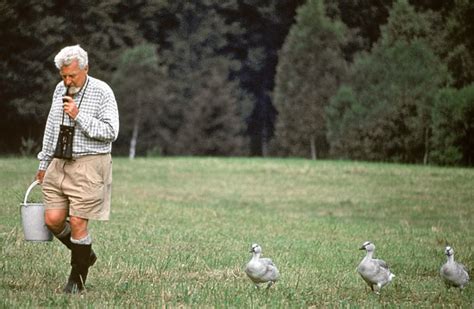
[{"x": 73, "y": 76}]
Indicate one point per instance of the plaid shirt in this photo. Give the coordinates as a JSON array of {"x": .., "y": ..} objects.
[{"x": 97, "y": 123}]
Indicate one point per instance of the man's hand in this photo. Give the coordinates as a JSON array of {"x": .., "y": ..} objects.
[
  {"x": 40, "y": 175},
  {"x": 70, "y": 107}
]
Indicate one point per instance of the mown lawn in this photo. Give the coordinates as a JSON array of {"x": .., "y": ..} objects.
[{"x": 181, "y": 230}]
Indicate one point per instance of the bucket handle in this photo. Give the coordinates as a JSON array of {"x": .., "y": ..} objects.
[{"x": 36, "y": 182}]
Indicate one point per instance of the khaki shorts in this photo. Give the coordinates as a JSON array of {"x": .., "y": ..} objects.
[{"x": 82, "y": 185}]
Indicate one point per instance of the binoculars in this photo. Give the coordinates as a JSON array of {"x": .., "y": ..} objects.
[{"x": 64, "y": 144}]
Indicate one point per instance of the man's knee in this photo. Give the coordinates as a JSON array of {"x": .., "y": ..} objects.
[{"x": 55, "y": 220}]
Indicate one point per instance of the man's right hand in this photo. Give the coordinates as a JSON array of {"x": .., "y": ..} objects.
[{"x": 40, "y": 175}]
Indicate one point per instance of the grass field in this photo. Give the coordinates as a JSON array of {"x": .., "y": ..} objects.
[{"x": 181, "y": 229}]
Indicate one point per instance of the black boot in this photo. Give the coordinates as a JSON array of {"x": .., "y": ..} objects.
[
  {"x": 80, "y": 262},
  {"x": 66, "y": 240}
]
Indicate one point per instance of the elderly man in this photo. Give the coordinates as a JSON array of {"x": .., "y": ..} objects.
[{"x": 75, "y": 161}]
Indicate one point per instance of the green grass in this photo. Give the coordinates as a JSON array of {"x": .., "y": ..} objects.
[{"x": 181, "y": 229}]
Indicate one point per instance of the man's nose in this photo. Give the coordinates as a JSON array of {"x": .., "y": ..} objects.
[{"x": 67, "y": 81}]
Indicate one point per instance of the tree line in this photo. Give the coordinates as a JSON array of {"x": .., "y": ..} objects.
[
  {"x": 406, "y": 98},
  {"x": 368, "y": 80}
]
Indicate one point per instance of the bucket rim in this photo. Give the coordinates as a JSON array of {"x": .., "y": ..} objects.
[{"x": 32, "y": 204}]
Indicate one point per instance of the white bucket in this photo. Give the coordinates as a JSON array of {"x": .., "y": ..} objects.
[{"x": 32, "y": 218}]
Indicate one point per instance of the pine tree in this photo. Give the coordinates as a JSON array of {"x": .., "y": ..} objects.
[
  {"x": 311, "y": 67},
  {"x": 207, "y": 103}
]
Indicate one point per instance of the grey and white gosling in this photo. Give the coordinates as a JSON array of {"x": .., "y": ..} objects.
[
  {"x": 374, "y": 271},
  {"x": 261, "y": 270},
  {"x": 453, "y": 273}
]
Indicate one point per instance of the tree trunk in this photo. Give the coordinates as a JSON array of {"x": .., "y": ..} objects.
[
  {"x": 133, "y": 140},
  {"x": 264, "y": 148},
  {"x": 264, "y": 141},
  {"x": 313, "y": 148},
  {"x": 425, "y": 157}
]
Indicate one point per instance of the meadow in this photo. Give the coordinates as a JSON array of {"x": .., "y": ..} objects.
[{"x": 181, "y": 230}]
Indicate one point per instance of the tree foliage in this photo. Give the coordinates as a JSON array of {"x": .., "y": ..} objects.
[
  {"x": 362, "y": 19},
  {"x": 212, "y": 124},
  {"x": 459, "y": 46},
  {"x": 310, "y": 69},
  {"x": 265, "y": 25},
  {"x": 407, "y": 24},
  {"x": 140, "y": 84},
  {"x": 210, "y": 108},
  {"x": 453, "y": 127},
  {"x": 385, "y": 114}
]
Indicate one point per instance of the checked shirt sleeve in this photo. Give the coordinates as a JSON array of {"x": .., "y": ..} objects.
[{"x": 104, "y": 125}]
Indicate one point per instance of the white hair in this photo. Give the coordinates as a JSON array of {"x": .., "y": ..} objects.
[{"x": 70, "y": 53}]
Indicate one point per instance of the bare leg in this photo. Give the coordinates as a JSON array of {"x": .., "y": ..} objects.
[
  {"x": 55, "y": 219},
  {"x": 78, "y": 227}
]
